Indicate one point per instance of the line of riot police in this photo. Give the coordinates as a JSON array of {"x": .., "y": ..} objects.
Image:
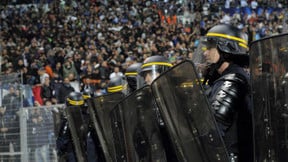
[{"x": 162, "y": 113}]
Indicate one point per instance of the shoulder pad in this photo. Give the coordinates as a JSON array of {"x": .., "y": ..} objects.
[
  {"x": 233, "y": 84},
  {"x": 228, "y": 96},
  {"x": 234, "y": 77}
]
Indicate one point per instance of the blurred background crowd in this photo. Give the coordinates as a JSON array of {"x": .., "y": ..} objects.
[{"x": 59, "y": 46}]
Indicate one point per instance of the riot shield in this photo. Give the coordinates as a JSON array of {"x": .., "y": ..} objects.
[
  {"x": 142, "y": 136},
  {"x": 268, "y": 68},
  {"x": 100, "y": 111},
  {"x": 58, "y": 114},
  {"x": 118, "y": 134},
  {"x": 187, "y": 115},
  {"x": 78, "y": 128}
]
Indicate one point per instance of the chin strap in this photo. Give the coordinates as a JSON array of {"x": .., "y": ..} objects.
[{"x": 211, "y": 73}]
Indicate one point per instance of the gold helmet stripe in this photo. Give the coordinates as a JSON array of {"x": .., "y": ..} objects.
[
  {"x": 131, "y": 73},
  {"x": 75, "y": 103},
  {"x": 115, "y": 88},
  {"x": 243, "y": 45},
  {"x": 227, "y": 37},
  {"x": 86, "y": 96},
  {"x": 157, "y": 63}
]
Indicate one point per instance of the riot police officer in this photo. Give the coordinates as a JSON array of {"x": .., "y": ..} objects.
[
  {"x": 64, "y": 142},
  {"x": 226, "y": 53},
  {"x": 133, "y": 80},
  {"x": 94, "y": 152},
  {"x": 106, "y": 123},
  {"x": 151, "y": 68}
]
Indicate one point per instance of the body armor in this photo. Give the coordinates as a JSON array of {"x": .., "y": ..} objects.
[{"x": 230, "y": 90}]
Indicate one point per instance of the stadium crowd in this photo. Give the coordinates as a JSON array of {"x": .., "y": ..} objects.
[{"x": 72, "y": 45}]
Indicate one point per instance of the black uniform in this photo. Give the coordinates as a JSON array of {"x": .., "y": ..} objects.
[
  {"x": 228, "y": 91},
  {"x": 64, "y": 143},
  {"x": 231, "y": 104},
  {"x": 93, "y": 150}
]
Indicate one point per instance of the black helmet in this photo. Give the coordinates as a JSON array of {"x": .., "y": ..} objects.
[
  {"x": 133, "y": 69},
  {"x": 87, "y": 93},
  {"x": 154, "y": 65},
  {"x": 131, "y": 75},
  {"x": 115, "y": 85},
  {"x": 158, "y": 63},
  {"x": 75, "y": 99},
  {"x": 228, "y": 39},
  {"x": 230, "y": 42}
]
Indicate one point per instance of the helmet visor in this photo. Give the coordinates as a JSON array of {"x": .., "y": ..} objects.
[
  {"x": 150, "y": 74},
  {"x": 198, "y": 56}
]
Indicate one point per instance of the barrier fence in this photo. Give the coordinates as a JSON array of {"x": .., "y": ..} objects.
[
  {"x": 39, "y": 142},
  {"x": 33, "y": 138},
  {"x": 10, "y": 93},
  {"x": 27, "y": 131}
]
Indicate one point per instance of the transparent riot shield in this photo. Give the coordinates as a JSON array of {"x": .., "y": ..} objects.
[
  {"x": 187, "y": 115},
  {"x": 78, "y": 128},
  {"x": 142, "y": 136},
  {"x": 268, "y": 69},
  {"x": 100, "y": 111}
]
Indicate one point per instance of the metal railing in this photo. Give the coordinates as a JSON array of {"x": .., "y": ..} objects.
[
  {"x": 27, "y": 133},
  {"x": 36, "y": 138},
  {"x": 38, "y": 132}
]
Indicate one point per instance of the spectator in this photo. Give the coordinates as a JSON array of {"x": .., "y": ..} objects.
[
  {"x": 43, "y": 75},
  {"x": 58, "y": 70},
  {"x": 116, "y": 73},
  {"x": 74, "y": 82},
  {"x": 254, "y": 5},
  {"x": 77, "y": 62},
  {"x": 225, "y": 18},
  {"x": 104, "y": 71},
  {"x": 227, "y": 4},
  {"x": 69, "y": 68},
  {"x": 91, "y": 78},
  {"x": 64, "y": 90},
  {"x": 47, "y": 92},
  {"x": 5, "y": 130},
  {"x": 18, "y": 102},
  {"x": 38, "y": 133},
  {"x": 51, "y": 132},
  {"x": 8, "y": 100},
  {"x": 243, "y": 3}
]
